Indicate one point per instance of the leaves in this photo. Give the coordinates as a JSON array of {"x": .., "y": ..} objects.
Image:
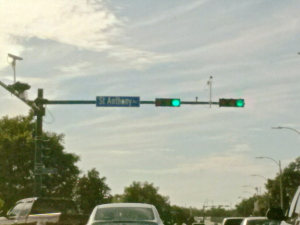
[
  {"x": 17, "y": 154},
  {"x": 91, "y": 190}
]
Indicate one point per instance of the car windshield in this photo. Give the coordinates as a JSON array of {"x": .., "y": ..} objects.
[{"x": 124, "y": 214}]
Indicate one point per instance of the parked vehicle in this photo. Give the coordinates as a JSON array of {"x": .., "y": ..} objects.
[
  {"x": 259, "y": 221},
  {"x": 232, "y": 220},
  {"x": 292, "y": 216},
  {"x": 125, "y": 214},
  {"x": 44, "y": 211}
]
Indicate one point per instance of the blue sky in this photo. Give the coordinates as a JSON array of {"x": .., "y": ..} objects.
[{"x": 77, "y": 50}]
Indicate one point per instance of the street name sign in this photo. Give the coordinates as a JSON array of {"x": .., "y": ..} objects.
[{"x": 117, "y": 101}]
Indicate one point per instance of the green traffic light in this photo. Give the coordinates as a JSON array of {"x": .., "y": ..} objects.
[
  {"x": 176, "y": 102},
  {"x": 240, "y": 103}
]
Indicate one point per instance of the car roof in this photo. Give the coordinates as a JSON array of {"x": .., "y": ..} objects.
[
  {"x": 140, "y": 205},
  {"x": 229, "y": 218},
  {"x": 256, "y": 218}
]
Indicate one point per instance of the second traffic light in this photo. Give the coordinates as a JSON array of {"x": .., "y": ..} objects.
[
  {"x": 224, "y": 102},
  {"x": 169, "y": 102}
]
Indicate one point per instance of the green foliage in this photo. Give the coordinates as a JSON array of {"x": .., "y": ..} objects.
[
  {"x": 246, "y": 207},
  {"x": 62, "y": 183},
  {"x": 91, "y": 190},
  {"x": 146, "y": 193},
  {"x": 182, "y": 215},
  {"x": 16, "y": 158},
  {"x": 218, "y": 212},
  {"x": 17, "y": 153},
  {"x": 1, "y": 204},
  {"x": 290, "y": 183}
]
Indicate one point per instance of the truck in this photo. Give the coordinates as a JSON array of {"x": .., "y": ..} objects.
[
  {"x": 292, "y": 215},
  {"x": 44, "y": 211}
]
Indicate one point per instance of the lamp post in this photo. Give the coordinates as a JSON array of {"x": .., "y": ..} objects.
[
  {"x": 286, "y": 128},
  {"x": 280, "y": 177},
  {"x": 255, "y": 188},
  {"x": 249, "y": 192},
  {"x": 256, "y": 175},
  {"x": 268, "y": 197}
]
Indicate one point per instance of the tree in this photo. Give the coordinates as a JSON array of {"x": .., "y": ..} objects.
[
  {"x": 290, "y": 183},
  {"x": 246, "y": 207},
  {"x": 17, "y": 153},
  {"x": 182, "y": 215},
  {"x": 91, "y": 190},
  {"x": 146, "y": 193}
]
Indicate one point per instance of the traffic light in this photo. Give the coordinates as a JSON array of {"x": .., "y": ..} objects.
[
  {"x": 171, "y": 102},
  {"x": 224, "y": 102},
  {"x": 19, "y": 87}
]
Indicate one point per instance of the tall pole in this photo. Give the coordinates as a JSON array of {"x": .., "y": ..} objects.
[
  {"x": 280, "y": 171},
  {"x": 281, "y": 191},
  {"x": 14, "y": 68},
  {"x": 268, "y": 197},
  {"x": 255, "y": 188},
  {"x": 210, "y": 90},
  {"x": 280, "y": 178},
  {"x": 38, "y": 164},
  {"x": 13, "y": 64}
]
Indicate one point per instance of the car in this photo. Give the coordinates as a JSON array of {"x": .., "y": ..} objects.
[
  {"x": 125, "y": 214},
  {"x": 258, "y": 221},
  {"x": 232, "y": 220}
]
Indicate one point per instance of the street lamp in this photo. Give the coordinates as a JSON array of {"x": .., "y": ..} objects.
[
  {"x": 255, "y": 188},
  {"x": 268, "y": 197},
  {"x": 280, "y": 177},
  {"x": 249, "y": 192},
  {"x": 286, "y": 128},
  {"x": 256, "y": 175}
]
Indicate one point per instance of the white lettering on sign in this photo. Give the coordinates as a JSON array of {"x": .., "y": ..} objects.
[
  {"x": 101, "y": 101},
  {"x": 118, "y": 101}
]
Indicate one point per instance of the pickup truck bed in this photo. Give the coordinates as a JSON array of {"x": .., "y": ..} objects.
[{"x": 43, "y": 211}]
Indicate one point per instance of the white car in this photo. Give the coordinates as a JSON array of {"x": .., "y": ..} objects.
[
  {"x": 125, "y": 214},
  {"x": 259, "y": 221}
]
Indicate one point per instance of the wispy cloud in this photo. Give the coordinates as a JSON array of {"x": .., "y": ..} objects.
[
  {"x": 186, "y": 7},
  {"x": 85, "y": 24}
]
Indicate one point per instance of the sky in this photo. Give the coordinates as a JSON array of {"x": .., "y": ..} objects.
[{"x": 78, "y": 50}]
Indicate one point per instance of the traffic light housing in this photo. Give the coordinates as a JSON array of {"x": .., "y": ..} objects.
[
  {"x": 169, "y": 102},
  {"x": 19, "y": 87},
  {"x": 224, "y": 102}
]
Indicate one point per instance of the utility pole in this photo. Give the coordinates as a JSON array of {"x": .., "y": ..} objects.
[{"x": 38, "y": 163}]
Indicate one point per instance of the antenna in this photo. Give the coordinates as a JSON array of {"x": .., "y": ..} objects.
[
  {"x": 209, "y": 83},
  {"x": 14, "y": 57}
]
